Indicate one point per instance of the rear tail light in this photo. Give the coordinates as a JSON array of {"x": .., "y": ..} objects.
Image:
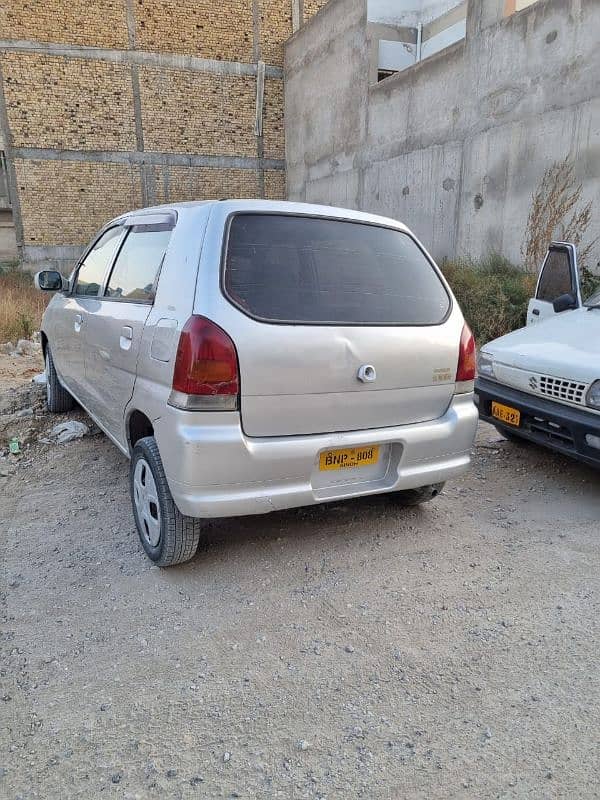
[
  {"x": 467, "y": 361},
  {"x": 206, "y": 375}
]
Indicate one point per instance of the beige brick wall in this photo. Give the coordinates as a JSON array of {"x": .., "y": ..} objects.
[
  {"x": 72, "y": 104},
  {"x": 86, "y": 104},
  {"x": 99, "y": 23},
  {"x": 203, "y": 28},
  {"x": 311, "y": 7},
  {"x": 275, "y": 28},
  {"x": 274, "y": 184},
  {"x": 198, "y": 113},
  {"x": 66, "y": 202},
  {"x": 177, "y": 184}
]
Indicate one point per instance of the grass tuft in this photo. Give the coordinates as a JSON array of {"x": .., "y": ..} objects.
[
  {"x": 492, "y": 293},
  {"x": 21, "y": 305}
]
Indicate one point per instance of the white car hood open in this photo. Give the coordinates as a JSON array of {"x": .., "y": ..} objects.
[{"x": 565, "y": 346}]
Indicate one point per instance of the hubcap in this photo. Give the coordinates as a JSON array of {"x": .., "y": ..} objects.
[{"x": 146, "y": 502}]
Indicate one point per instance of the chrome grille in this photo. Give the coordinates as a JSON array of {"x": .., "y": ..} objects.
[{"x": 560, "y": 389}]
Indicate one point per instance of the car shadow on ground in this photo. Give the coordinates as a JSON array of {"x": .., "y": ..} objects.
[{"x": 340, "y": 523}]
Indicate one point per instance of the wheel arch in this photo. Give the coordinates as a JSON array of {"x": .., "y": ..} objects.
[{"x": 137, "y": 426}]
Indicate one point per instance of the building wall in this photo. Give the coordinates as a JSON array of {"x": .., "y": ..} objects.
[
  {"x": 456, "y": 145},
  {"x": 114, "y": 104}
]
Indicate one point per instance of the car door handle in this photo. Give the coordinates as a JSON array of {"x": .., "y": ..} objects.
[
  {"x": 126, "y": 337},
  {"x": 78, "y": 322},
  {"x": 536, "y": 312}
]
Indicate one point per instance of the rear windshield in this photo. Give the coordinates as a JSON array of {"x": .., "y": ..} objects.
[{"x": 285, "y": 268}]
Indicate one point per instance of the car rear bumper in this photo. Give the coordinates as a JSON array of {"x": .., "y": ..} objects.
[
  {"x": 546, "y": 422},
  {"x": 215, "y": 470}
]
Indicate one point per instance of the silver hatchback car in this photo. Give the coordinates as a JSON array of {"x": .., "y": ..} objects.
[{"x": 250, "y": 356}]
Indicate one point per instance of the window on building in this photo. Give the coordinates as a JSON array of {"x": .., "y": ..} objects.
[{"x": 403, "y": 37}]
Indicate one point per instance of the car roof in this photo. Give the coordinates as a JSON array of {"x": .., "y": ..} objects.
[{"x": 230, "y": 206}]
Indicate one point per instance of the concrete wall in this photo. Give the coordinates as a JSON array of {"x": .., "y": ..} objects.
[
  {"x": 113, "y": 104},
  {"x": 456, "y": 145},
  {"x": 407, "y": 12}
]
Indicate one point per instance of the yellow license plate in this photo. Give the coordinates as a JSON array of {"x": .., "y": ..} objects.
[
  {"x": 511, "y": 416},
  {"x": 349, "y": 457}
]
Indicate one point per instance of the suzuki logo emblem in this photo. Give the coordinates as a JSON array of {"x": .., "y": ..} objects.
[
  {"x": 533, "y": 383},
  {"x": 367, "y": 373}
]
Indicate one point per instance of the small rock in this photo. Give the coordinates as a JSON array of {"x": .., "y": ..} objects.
[
  {"x": 487, "y": 733},
  {"x": 303, "y": 744},
  {"x": 7, "y": 348},
  {"x": 349, "y": 648},
  {"x": 25, "y": 347},
  {"x": 196, "y": 780},
  {"x": 171, "y": 773},
  {"x": 40, "y": 379},
  {"x": 116, "y": 778},
  {"x": 226, "y": 757},
  {"x": 25, "y": 412}
]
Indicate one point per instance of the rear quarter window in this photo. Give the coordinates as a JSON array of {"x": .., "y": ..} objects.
[{"x": 286, "y": 268}]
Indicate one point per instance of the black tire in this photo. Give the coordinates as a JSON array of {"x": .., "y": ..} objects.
[
  {"x": 58, "y": 398},
  {"x": 171, "y": 538},
  {"x": 510, "y": 436},
  {"x": 423, "y": 494}
]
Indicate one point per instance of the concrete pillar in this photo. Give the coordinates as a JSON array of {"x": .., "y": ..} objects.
[{"x": 296, "y": 16}]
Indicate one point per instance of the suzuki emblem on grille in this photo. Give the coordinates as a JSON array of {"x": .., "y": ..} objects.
[
  {"x": 533, "y": 383},
  {"x": 367, "y": 373}
]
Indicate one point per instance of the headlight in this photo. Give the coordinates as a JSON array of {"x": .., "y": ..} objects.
[
  {"x": 593, "y": 395},
  {"x": 485, "y": 365}
]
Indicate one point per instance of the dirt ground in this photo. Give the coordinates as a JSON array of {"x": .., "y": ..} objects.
[
  {"x": 355, "y": 650},
  {"x": 18, "y": 370}
]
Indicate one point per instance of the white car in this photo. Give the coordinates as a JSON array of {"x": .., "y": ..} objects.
[
  {"x": 542, "y": 382},
  {"x": 250, "y": 356}
]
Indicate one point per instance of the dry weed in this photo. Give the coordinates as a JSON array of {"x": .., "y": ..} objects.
[
  {"x": 555, "y": 214},
  {"x": 21, "y": 305}
]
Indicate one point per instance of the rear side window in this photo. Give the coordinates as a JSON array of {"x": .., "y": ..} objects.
[
  {"x": 93, "y": 268},
  {"x": 138, "y": 263},
  {"x": 285, "y": 268}
]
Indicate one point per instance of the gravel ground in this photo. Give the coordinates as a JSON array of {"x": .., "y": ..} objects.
[
  {"x": 18, "y": 370},
  {"x": 355, "y": 650}
]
